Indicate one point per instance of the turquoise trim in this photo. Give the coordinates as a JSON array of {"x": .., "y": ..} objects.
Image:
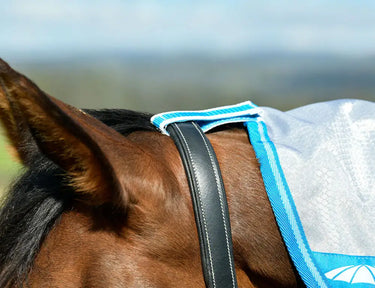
[
  {"x": 283, "y": 205},
  {"x": 241, "y": 112}
]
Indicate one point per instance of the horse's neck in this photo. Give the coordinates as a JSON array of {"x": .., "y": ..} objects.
[
  {"x": 258, "y": 247},
  {"x": 259, "y": 250}
]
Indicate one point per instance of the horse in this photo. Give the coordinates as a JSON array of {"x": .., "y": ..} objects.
[{"x": 103, "y": 200}]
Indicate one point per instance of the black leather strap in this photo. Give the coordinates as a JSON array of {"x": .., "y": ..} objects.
[{"x": 209, "y": 202}]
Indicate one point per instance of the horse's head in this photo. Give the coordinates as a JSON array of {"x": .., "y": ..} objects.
[{"x": 104, "y": 209}]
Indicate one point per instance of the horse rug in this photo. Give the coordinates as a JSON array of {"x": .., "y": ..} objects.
[{"x": 318, "y": 168}]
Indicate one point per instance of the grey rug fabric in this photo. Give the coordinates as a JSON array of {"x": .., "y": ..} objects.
[{"x": 327, "y": 153}]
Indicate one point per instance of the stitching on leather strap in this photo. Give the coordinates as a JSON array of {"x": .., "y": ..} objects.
[
  {"x": 218, "y": 185},
  {"x": 200, "y": 200}
]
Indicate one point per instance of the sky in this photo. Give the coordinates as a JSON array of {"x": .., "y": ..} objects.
[{"x": 53, "y": 28}]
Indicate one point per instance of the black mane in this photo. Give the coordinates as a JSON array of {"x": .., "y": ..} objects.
[{"x": 39, "y": 197}]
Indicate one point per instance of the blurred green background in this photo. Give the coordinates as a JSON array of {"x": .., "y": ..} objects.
[{"x": 167, "y": 55}]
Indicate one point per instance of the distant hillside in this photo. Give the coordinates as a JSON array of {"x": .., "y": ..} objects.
[
  {"x": 160, "y": 83},
  {"x": 157, "y": 83}
]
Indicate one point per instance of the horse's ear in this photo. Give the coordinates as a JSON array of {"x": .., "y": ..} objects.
[
  {"x": 16, "y": 127},
  {"x": 88, "y": 150}
]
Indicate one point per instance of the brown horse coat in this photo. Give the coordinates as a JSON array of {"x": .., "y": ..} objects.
[{"x": 130, "y": 221}]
